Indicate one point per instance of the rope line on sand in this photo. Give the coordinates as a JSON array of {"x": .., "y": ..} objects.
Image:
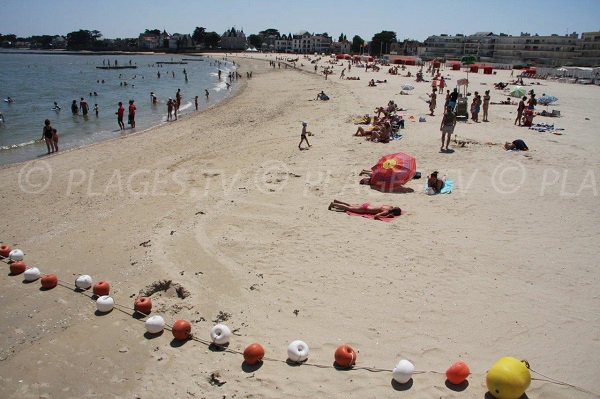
[{"x": 132, "y": 312}]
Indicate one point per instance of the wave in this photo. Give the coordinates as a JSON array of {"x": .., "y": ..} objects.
[{"x": 13, "y": 146}]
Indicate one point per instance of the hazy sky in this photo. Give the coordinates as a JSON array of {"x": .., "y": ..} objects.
[{"x": 415, "y": 19}]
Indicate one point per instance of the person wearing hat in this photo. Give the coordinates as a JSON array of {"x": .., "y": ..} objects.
[{"x": 303, "y": 135}]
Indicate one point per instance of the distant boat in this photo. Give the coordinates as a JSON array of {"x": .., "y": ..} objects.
[
  {"x": 118, "y": 67},
  {"x": 171, "y": 62}
]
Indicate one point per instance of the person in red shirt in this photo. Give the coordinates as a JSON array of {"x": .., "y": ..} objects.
[
  {"x": 131, "y": 117},
  {"x": 120, "y": 112}
]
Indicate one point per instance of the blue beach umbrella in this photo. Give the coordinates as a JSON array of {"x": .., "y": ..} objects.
[{"x": 545, "y": 100}]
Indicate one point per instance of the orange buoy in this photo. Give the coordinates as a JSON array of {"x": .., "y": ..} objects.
[
  {"x": 101, "y": 288},
  {"x": 458, "y": 373},
  {"x": 182, "y": 330},
  {"x": 345, "y": 356},
  {"x": 253, "y": 354},
  {"x": 5, "y": 250},
  {"x": 17, "y": 267},
  {"x": 143, "y": 305},
  {"x": 49, "y": 281}
]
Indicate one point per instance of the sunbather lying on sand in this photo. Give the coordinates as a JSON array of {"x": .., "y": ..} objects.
[{"x": 365, "y": 209}]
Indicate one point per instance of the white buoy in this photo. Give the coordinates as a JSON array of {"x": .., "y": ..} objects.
[
  {"x": 220, "y": 334},
  {"x": 298, "y": 351},
  {"x": 155, "y": 324},
  {"x": 105, "y": 303},
  {"x": 31, "y": 274},
  {"x": 83, "y": 282},
  {"x": 16, "y": 255},
  {"x": 403, "y": 371}
]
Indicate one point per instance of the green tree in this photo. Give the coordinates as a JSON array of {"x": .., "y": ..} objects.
[
  {"x": 341, "y": 38},
  {"x": 152, "y": 32},
  {"x": 381, "y": 42},
  {"x": 269, "y": 32},
  {"x": 357, "y": 44},
  {"x": 199, "y": 34},
  {"x": 212, "y": 39},
  {"x": 255, "y": 40},
  {"x": 80, "y": 40},
  {"x": 44, "y": 41}
]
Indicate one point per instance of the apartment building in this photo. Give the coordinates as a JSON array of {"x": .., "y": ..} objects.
[{"x": 552, "y": 50}]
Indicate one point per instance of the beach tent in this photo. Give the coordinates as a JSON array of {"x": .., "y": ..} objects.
[
  {"x": 517, "y": 91},
  {"x": 340, "y": 56},
  {"x": 393, "y": 171},
  {"x": 474, "y": 68},
  {"x": 487, "y": 70}
]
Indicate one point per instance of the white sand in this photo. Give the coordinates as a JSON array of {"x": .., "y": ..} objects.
[{"x": 504, "y": 266}]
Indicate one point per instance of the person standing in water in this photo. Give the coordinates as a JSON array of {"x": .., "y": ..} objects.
[
  {"x": 83, "y": 105},
  {"x": 74, "y": 108},
  {"x": 131, "y": 115},
  {"x": 47, "y": 136},
  {"x": 120, "y": 113}
]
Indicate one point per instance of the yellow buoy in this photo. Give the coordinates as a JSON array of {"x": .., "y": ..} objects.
[{"x": 508, "y": 378}]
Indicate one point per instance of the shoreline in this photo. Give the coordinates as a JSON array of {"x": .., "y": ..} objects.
[
  {"x": 239, "y": 219},
  {"x": 236, "y": 90}
]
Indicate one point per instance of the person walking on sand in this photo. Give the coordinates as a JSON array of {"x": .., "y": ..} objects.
[
  {"x": 520, "y": 109},
  {"x": 120, "y": 113},
  {"x": 196, "y": 102},
  {"x": 131, "y": 115},
  {"x": 432, "y": 101},
  {"x": 47, "y": 136},
  {"x": 303, "y": 135},
  {"x": 447, "y": 127},
  {"x": 486, "y": 105}
]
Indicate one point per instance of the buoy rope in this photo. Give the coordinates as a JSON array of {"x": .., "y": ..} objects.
[{"x": 127, "y": 310}]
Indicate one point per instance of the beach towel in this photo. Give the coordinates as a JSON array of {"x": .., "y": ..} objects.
[
  {"x": 447, "y": 189},
  {"x": 372, "y": 217}
]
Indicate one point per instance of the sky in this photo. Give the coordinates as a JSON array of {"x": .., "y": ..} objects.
[{"x": 415, "y": 19}]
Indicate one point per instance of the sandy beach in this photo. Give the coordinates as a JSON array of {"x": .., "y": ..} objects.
[{"x": 224, "y": 205}]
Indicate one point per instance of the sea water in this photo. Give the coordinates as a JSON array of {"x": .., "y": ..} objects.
[{"x": 36, "y": 81}]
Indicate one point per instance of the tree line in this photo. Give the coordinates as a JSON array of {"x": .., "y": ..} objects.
[{"x": 92, "y": 40}]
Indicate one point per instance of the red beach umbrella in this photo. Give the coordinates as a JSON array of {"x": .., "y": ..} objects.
[{"x": 392, "y": 171}]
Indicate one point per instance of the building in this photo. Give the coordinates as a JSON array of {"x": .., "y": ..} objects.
[
  {"x": 343, "y": 47},
  {"x": 284, "y": 44},
  {"x": 553, "y": 50},
  {"x": 180, "y": 41},
  {"x": 306, "y": 43},
  {"x": 525, "y": 49},
  {"x": 480, "y": 45},
  {"x": 233, "y": 40},
  {"x": 154, "y": 39},
  {"x": 589, "y": 49}
]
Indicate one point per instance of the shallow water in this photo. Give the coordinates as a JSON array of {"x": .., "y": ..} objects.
[{"x": 36, "y": 81}]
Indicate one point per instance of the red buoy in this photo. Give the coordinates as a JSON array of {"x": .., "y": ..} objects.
[
  {"x": 5, "y": 250},
  {"x": 101, "y": 288},
  {"x": 253, "y": 354},
  {"x": 143, "y": 305},
  {"x": 182, "y": 330},
  {"x": 17, "y": 267},
  {"x": 458, "y": 373},
  {"x": 49, "y": 281},
  {"x": 345, "y": 356}
]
